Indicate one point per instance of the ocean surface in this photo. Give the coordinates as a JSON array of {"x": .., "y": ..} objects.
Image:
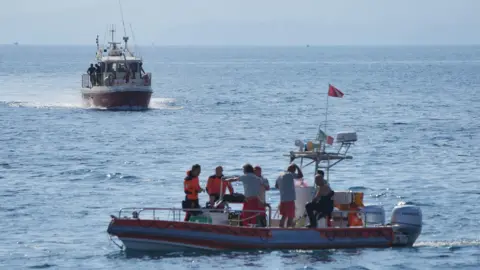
[{"x": 64, "y": 168}]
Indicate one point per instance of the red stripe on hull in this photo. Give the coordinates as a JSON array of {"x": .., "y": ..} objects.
[
  {"x": 354, "y": 232},
  {"x": 199, "y": 227},
  {"x": 224, "y": 245},
  {"x": 118, "y": 100}
]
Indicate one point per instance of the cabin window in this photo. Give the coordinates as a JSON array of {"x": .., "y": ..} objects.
[
  {"x": 133, "y": 67},
  {"x": 120, "y": 67},
  {"x": 110, "y": 67}
]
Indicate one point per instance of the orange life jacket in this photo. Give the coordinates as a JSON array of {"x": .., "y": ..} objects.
[
  {"x": 213, "y": 185},
  {"x": 353, "y": 217},
  {"x": 191, "y": 187}
]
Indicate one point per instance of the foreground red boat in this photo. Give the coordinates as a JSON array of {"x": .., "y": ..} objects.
[
  {"x": 352, "y": 224},
  {"x": 160, "y": 235},
  {"x": 117, "y": 81}
]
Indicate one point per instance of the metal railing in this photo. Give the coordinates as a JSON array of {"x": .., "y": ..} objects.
[
  {"x": 177, "y": 214},
  {"x": 344, "y": 218},
  {"x": 86, "y": 82},
  {"x": 110, "y": 79}
]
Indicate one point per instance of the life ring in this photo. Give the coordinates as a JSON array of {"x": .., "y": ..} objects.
[{"x": 146, "y": 80}]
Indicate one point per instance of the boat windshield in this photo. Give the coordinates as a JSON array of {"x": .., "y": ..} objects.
[{"x": 122, "y": 67}]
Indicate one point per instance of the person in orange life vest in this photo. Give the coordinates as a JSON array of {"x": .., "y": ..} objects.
[
  {"x": 252, "y": 188},
  {"x": 217, "y": 185},
  {"x": 191, "y": 187},
  {"x": 286, "y": 184}
]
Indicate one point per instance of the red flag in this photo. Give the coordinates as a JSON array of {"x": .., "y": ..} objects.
[
  {"x": 330, "y": 140},
  {"x": 334, "y": 92}
]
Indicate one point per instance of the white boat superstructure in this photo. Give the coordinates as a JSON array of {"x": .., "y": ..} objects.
[{"x": 117, "y": 79}]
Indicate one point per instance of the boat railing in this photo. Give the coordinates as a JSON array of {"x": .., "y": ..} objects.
[
  {"x": 178, "y": 214},
  {"x": 86, "y": 82},
  {"x": 344, "y": 214},
  {"x": 113, "y": 79}
]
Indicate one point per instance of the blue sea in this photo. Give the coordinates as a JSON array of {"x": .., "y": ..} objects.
[{"x": 64, "y": 168}]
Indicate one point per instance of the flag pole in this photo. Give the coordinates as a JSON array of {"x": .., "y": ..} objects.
[{"x": 326, "y": 118}]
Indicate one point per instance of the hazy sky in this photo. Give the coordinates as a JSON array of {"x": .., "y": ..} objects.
[{"x": 244, "y": 22}]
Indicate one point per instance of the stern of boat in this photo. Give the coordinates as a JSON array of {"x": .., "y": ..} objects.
[{"x": 406, "y": 223}]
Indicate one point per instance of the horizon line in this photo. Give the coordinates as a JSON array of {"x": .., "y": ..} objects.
[{"x": 255, "y": 45}]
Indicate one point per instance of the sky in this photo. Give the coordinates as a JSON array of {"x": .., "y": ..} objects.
[{"x": 243, "y": 22}]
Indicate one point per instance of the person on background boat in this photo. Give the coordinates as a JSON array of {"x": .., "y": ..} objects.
[
  {"x": 286, "y": 184},
  {"x": 91, "y": 73},
  {"x": 322, "y": 203},
  {"x": 141, "y": 70},
  {"x": 265, "y": 185},
  {"x": 252, "y": 188},
  {"x": 98, "y": 74},
  {"x": 263, "y": 189},
  {"x": 217, "y": 185},
  {"x": 192, "y": 188}
]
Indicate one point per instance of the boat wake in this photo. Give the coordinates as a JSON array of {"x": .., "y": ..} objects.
[
  {"x": 164, "y": 104},
  {"x": 449, "y": 244},
  {"x": 40, "y": 105},
  {"x": 155, "y": 104}
]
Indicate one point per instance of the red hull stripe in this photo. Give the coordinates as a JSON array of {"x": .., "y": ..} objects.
[
  {"x": 198, "y": 227},
  {"x": 264, "y": 233},
  {"x": 232, "y": 245},
  {"x": 118, "y": 99}
]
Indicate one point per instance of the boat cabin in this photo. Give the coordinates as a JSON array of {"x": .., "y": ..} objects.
[{"x": 119, "y": 67}]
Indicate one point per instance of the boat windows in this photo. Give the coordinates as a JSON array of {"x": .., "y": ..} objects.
[
  {"x": 120, "y": 67},
  {"x": 110, "y": 67}
]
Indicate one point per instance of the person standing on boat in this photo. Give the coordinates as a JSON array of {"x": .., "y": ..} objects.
[
  {"x": 191, "y": 187},
  {"x": 98, "y": 73},
  {"x": 286, "y": 184},
  {"x": 142, "y": 72},
  {"x": 322, "y": 203},
  {"x": 265, "y": 185},
  {"x": 91, "y": 73},
  {"x": 263, "y": 189},
  {"x": 217, "y": 185},
  {"x": 252, "y": 188}
]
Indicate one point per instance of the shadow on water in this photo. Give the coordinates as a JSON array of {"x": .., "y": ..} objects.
[{"x": 158, "y": 255}]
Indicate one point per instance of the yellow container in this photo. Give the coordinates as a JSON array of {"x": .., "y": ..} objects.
[{"x": 358, "y": 198}]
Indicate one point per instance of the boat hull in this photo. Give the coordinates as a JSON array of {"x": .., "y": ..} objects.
[
  {"x": 158, "y": 235},
  {"x": 117, "y": 98}
]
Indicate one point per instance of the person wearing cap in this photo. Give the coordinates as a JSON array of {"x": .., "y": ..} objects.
[
  {"x": 191, "y": 187},
  {"x": 252, "y": 206},
  {"x": 286, "y": 184},
  {"x": 265, "y": 185},
  {"x": 216, "y": 185}
]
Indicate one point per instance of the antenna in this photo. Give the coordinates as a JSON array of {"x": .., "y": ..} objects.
[
  {"x": 133, "y": 36},
  {"x": 123, "y": 21},
  {"x": 112, "y": 29},
  {"x": 125, "y": 38}
]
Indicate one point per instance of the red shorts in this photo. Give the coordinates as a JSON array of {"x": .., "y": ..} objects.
[
  {"x": 252, "y": 204},
  {"x": 287, "y": 209}
]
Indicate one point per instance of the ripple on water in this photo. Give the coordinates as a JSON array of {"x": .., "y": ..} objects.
[{"x": 64, "y": 169}]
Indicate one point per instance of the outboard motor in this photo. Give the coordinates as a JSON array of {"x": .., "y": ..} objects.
[{"x": 406, "y": 223}]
